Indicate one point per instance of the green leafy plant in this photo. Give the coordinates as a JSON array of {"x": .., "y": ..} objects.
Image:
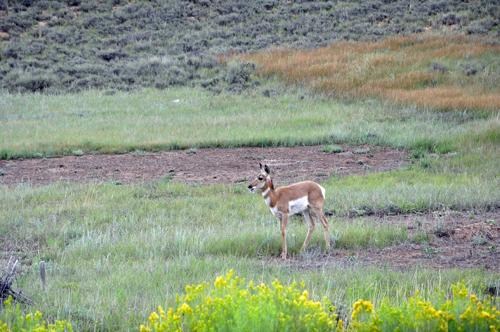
[
  {"x": 479, "y": 240},
  {"x": 332, "y": 148},
  {"x": 13, "y": 320},
  {"x": 461, "y": 313},
  {"x": 234, "y": 305},
  {"x": 430, "y": 251},
  {"x": 167, "y": 178},
  {"x": 138, "y": 153}
]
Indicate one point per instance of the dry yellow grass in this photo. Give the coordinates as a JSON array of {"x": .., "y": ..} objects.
[{"x": 396, "y": 69}]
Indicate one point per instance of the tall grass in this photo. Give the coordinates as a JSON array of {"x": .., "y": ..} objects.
[
  {"x": 93, "y": 122},
  {"x": 42, "y": 125},
  {"x": 114, "y": 253},
  {"x": 413, "y": 191},
  {"x": 446, "y": 72}
]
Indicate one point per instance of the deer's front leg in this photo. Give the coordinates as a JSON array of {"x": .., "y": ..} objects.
[{"x": 283, "y": 223}]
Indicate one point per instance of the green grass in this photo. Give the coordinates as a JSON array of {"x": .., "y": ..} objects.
[
  {"x": 407, "y": 191},
  {"x": 40, "y": 125},
  {"x": 114, "y": 253}
]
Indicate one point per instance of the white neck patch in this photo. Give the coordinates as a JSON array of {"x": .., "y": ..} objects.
[{"x": 264, "y": 193}]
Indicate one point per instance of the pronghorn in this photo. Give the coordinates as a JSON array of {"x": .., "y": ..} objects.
[{"x": 287, "y": 201}]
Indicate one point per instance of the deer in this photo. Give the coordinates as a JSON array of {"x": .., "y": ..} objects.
[{"x": 290, "y": 200}]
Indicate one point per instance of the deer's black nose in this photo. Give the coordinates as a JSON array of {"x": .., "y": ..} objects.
[{"x": 250, "y": 187}]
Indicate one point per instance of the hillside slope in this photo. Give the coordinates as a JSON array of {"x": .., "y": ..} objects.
[{"x": 72, "y": 45}]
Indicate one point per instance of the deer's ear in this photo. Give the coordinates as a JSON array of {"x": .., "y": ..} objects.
[
  {"x": 266, "y": 169},
  {"x": 261, "y": 168}
]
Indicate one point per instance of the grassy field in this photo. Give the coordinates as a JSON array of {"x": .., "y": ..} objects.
[
  {"x": 178, "y": 118},
  {"x": 114, "y": 253}
]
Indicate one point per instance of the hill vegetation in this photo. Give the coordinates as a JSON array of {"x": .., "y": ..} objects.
[
  {"x": 74, "y": 45},
  {"x": 447, "y": 72}
]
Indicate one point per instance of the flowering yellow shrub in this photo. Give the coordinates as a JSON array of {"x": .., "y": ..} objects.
[
  {"x": 13, "y": 321},
  {"x": 460, "y": 314},
  {"x": 233, "y": 305}
]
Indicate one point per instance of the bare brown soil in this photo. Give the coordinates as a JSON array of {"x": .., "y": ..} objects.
[
  {"x": 455, "y": 240},
  {"x": 210, "y": 166}
]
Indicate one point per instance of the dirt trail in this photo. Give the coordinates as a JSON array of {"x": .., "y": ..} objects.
[{"x": 205, "y": 165}]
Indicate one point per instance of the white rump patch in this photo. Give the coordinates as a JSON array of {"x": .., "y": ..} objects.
[{"x": 322, "y": 191}]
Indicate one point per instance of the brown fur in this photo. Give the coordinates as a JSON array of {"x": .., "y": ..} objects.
[{"x": 281, "y": 197}]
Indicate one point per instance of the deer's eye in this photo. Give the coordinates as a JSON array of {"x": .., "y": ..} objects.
[{"x": 261, "y": 178}]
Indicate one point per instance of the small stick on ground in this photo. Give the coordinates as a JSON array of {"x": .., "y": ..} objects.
[{"x": 7, "y": 278}]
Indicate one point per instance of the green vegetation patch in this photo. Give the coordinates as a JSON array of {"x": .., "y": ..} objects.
[
  {"x": 408, "y": 191},
  {"x": 186, "y": 118}
]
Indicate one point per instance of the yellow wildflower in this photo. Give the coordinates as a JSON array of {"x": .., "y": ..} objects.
[
  {"x": 187, "y": 309},
  {"x": 154, "y": 317}
]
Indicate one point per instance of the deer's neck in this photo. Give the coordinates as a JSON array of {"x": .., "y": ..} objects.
[{"x": 269, "y": 193}]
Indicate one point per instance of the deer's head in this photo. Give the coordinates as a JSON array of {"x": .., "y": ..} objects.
[{"x": 261, "y": 179}]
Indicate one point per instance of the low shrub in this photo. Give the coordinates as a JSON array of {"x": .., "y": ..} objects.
[
  {"x": 36, "y": 83},
  {"x": 13, "y": 321},
  {"x": 101, "y": 32},
  {"x": 332, "y": 148},
  {"x": 436, "y": 66},
  {"x": 238, "y": 72},
  {"x": 462, "y": 313},
  {"x": 234, "y": 305}
]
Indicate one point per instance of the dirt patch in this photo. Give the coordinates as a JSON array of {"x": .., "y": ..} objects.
[
  {"x": 478, "y": 233},
  {"x": 210, "y": 166},
  {"x": 471, "y": 241}
]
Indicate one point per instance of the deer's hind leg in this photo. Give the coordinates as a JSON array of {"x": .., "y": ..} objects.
[
  {"x": 283, "y": 223},
  {"x": 310, "y": 222},
  {"x": 318, "y": 210}
]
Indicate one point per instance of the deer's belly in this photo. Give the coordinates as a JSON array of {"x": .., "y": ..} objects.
[
  {"x": 294, "y": 207},
  {"x": 298, "y": 205}
]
